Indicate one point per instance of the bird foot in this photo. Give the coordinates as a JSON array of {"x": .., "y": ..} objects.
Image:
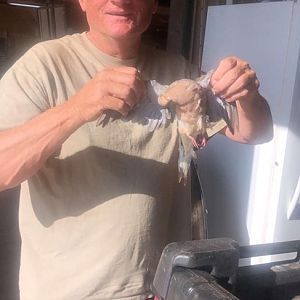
[
  {"x": 200, "y": 143},
  {"x": 195, "y": 143}
]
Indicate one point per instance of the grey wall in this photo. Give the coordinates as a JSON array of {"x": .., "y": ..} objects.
[
  {"x": 267, "y": 36},
  {"x": 290, "y": 229}
]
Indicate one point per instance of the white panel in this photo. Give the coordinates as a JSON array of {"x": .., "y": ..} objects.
[
  {"x": 290, "y": 229},
  {"x": 259, "y": 33},
  {"x": 241, "y": 183}
]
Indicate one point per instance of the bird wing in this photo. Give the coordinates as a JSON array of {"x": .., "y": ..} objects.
[
  {"x": 148, "y": 112},
  {"x": 218, "y": 109}
]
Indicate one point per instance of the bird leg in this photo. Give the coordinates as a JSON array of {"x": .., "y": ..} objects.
[
  {"x": 199, "y": 142},
  {"x": 202, "y": 143},
  {"x": 194, "y": 142}
]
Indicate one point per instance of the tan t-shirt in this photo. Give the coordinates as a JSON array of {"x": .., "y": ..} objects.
[{"x": 96, "y": 216}]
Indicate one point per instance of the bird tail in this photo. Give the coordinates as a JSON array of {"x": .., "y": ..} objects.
[{"x": 186, "y": 153}]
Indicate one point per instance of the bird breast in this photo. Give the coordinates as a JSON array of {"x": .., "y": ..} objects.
[{"x": 181, "y": 92}]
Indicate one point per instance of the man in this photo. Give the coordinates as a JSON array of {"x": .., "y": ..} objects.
[{"x": 98, "y": 204}]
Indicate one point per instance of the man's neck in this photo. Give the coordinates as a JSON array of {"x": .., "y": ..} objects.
[{"x": 122, "y": 48}]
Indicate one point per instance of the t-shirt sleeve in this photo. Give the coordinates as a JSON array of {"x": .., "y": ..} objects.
[{"x": 22, "y": 91}]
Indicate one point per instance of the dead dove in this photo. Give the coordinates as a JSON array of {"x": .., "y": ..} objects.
[
  {"x": 197, "y": 111},
  {"x": 200, "y": 114}
]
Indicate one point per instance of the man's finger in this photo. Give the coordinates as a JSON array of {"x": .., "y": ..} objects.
[
  {"x": 116, "y": 104},
  {"x": 122, "y": 92},
  {"x": 125, "y": 69},
  {"x": 131, "y": 78},
  {"x": 220, "y": 86},
  {"x": 225, "y": 65},
  {"x": 251, "y": 88},
  {"x": 241, "y": 83}
]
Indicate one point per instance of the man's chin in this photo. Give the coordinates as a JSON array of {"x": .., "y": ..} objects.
[
  {"x": 118, "y": 25},
  {"x": 123, "y": 35}
]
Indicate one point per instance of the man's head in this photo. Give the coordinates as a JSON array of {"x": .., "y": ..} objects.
[{"x": 119, "y": 19}]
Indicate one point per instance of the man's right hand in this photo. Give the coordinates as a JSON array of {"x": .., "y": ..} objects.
[
  {"x": 25, "y": 148},
  {"x": 117, "y": 88}
]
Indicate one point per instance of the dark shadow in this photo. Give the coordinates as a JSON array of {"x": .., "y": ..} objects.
[
  {"x": 225, "y": 199},
  {"x": 83, "y": 167},
  {"x": 10, "y": 244}
]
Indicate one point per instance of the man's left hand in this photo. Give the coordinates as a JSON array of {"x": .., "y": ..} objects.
[{"x": 234, "y": 80}]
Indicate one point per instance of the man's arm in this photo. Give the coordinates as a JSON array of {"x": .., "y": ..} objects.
[
  {"x": 24, "y": 149},
  {"x": 255, "y": 123},
  {"x": 236, "y": 82}
]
